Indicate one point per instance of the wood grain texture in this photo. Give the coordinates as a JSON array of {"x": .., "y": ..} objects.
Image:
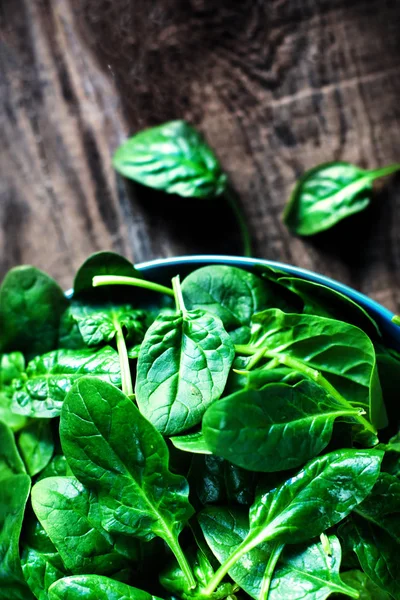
[{"x": 276, "y": 86}]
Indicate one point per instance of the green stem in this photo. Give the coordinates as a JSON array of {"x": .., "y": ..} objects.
[
  {"x": 376, "y": 173},
  {"x": 182, "y": 561},
  {"x": 313, "y": 374},
  {"x": 256, "y": 359},
  {"x": 99, "y": 280},
  {"x": 244, "y": 231},
  {"x": 269, "y": 571},
  {"x": 126, "y": 376},
  {"x": 177, "y": 290}
]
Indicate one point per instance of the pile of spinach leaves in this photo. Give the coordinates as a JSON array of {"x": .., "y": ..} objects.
[{"x": 229, "y": 436}]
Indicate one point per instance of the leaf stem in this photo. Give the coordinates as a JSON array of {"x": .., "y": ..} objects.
[
  {"x": 377, "y": 173},
  {"x": 313, "y": 374},
  {"x": 177, "y": 290},
  {"x": 244, "y": 230},
  {"x": 182, "y": 561},
  {"x": 99, "y": 280},
  {"x": 126, "y": 376},
  {"x": 269, "y": 571}
]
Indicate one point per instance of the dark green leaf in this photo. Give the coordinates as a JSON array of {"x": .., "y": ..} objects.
[
  {"x": 95, "y": 587},
  {"x": 231, "y": 294},
  {"x": 102, "y": 263},
  {"x": 364, "y": 586},
  {"x": 36, "y": 445},
  {"x": 378, "y": 553},
  {"x": 71, "y": 516},
  {"x": 341, "y": 352},
  {"x": 328, "y": 193},
  {"x": 39, "y": 571},
  {"x": 10, "y": 460},
  {"x": 58, "y": 467},
  {"x": 113, "y": 449},
  {"x": 14, "y": 492},
  {"x": 51, "y": 376},
  {"x": 172, "y": 157},
  {"x": 183, "y": 365},
  {"x": 256, "y": 379},
  {"x": 324, "y": 301},
  {"x": 382, "y": 506},
  {"x": 31, "y": 305},
  {"x": 279, "y": 427},
  {"x": 69, "y": 336}
]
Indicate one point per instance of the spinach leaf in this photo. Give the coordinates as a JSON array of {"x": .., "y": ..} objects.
[
  {"x": 377, "y": 552},
  {"x": 31, "y": 305},
  {"x": 326, "y": 302},
  {"x": 102, "y": 263},
  {"x": 71, "y": 516},
  {"x": 36, "y": 445},
  {"x": 14, "y": 492},
  {"x": 183, "y": 365},
  {"x": 279, "y": 427},
  {"x": 224, "y": 530},
  {"x": 323, "y": 493},
  {"x": 10, "y": 460},
  {"x": 364, "y": 585},
  {"x": 231, "y": 294},
  {"x": 112, "y": 449},
  {"x": 382, "y": 506},
  {"x": 95, "y": 587},
  {"x": 69, "y": 336},
  {"x": 328, "y": 193},
  {"x": 11, "y": 366},
  {"x": 191, "y": 442},
  {"x": 50, "y": 377},
  {"x": 342, "y": 353},
  {"x": 99, "y": 325},
  {"x": 40, "y": 571},
  {"x": 172, "y": 157},
  {"x": 308, "y": 571},
  {"x": 257, "y": 379}
]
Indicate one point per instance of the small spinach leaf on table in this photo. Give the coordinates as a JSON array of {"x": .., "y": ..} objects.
[
  {"x": 328, "y": 193},
  {"x": 172, "y": 157},
  {"x": 31, "y": 305},
  {"x": 50, "y": 377},
  {"x": 342, "y": 353},
  {"x": 112, "y": 449},
  {"x": 183, "y": 366},
  {"x": 36, "y": 445},
  {"x": 14, "y": 492},
  {"x": 95, "y": 587},
  {"x": 366, "y": 588},
  {"x": 231, "y": 294},
  {"x": 279, "y": 427},
  {"x": 71, "y": 516}
]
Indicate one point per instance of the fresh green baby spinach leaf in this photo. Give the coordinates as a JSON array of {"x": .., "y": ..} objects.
[
  {"x": 69, "y": 336},
  {"x": 183, "y": 365},
  {"x": 95, "y": 587},
  {"x": 31, "y": 305},
  {"x": 71, "y": 516},
  {"x": 10, "y": 460},
  {"x": 49, "y": 378},
  {"x": 231, "y": 294},
  {"x": 366, "y": 588},
  {"x": 102, "y": 263},
  {"x": 39, "y": 571},
  {"x": 329, "y": 193},
  {"x": 279, "y": 427},
  {"x": 112, "y": 449},
  {"x": 382, "y": 506},
  {"x": 323, "y": 493},
  {"x": 172, "y": 157},
  {"x": 57, "y": 467},
  {"x": 338, "y": 356},
  {"x": 36, "y": 445},
  {"x": 14, "y": 493}
]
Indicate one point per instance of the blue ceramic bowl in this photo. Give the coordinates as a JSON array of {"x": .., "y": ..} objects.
[{"x": 163, "y": 269}]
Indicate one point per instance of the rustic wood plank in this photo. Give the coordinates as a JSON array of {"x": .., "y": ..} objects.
[{"x": 275, "y": 86}]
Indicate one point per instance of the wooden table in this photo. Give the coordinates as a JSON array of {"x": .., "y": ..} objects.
[{"x": 276, "y": 86}]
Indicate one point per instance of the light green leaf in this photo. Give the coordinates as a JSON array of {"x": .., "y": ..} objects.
[{"x": 95, "y": 587}]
